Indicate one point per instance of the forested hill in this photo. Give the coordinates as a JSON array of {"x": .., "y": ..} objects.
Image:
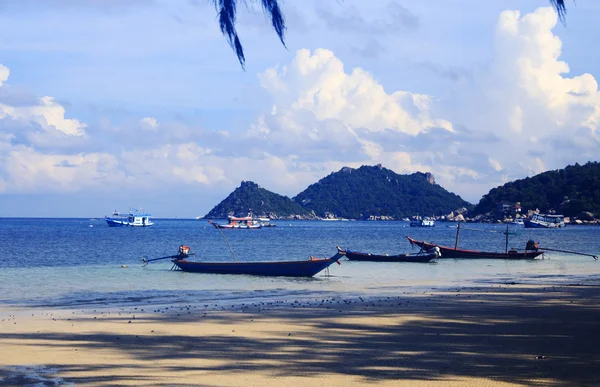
[
  {"x": 250, "y": 197},
  {"x": 378, "y": 191},
  {"x": 568, "y": 191}
]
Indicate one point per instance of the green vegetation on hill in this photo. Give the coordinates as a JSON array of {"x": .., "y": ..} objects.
[
  {"x": 569, "y": 191},
  {"x": 250, "y": 197},
  {"x": 378, "y": 191}
]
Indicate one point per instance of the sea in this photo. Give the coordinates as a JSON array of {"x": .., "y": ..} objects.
[{"x": 71, "y": 263}]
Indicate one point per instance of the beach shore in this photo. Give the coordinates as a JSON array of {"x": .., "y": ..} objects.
[{"x": 493, "y": 335}]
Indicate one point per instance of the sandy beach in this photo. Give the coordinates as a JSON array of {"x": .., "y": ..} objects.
[{"x": 495, "y": 335}]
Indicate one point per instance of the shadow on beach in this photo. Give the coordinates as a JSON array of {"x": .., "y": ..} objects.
[{"x": 546, "y": 336}]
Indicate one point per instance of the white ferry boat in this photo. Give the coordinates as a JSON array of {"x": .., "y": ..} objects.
[
  {"x": 134, "y": 218},
  {"x": 422, "y": 222},
  {"x": 545, "y": 221}
]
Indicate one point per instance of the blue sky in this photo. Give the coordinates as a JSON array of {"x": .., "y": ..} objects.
[{"x": 111, "y": 104}]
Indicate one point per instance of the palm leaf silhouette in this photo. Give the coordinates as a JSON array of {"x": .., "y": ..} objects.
[{"x": 227, "y": 12}]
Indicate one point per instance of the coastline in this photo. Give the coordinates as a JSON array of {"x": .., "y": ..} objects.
[{"x": 492, "y": 335}]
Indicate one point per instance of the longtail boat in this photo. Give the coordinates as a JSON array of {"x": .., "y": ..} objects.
[
  {"x": 422, "y": 256},
  {"x": 302, "y": 268},
  {"x": 531, "y": 249},
  {"x": 450, "y": 252}
]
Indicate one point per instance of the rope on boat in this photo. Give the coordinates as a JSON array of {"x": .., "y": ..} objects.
[
  {"x": 570, "y": 252},
  {"x": 492, "y": 231},
  {"x": 146, "y": 260},
  {"x": 226, "y": 241}
]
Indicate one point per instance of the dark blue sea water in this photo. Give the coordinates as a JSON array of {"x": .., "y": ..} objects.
[{"x": 69, "y": 262}]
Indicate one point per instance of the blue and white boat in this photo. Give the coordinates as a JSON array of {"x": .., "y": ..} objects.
[
  {"x": 134, "y": 218},
  {"x": 545, "y": 221},
  {"x": 422, "y": 222}
]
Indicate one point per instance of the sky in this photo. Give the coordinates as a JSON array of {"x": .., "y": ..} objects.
[{"x": 112, "y": 104}]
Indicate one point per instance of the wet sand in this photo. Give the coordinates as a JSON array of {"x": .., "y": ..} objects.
[{"x": 497, "y": 335}]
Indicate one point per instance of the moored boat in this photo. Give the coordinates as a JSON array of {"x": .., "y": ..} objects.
[
  {"x": 134, "y": 218},
  {"x": 301, "y": 268},
  {"x": 422, "y": 256},
  {"x": 530, "y": 251},
  {"x": 545, "y": 221},
  {"x": 422, "y": 222},
  {"x": 265, "y": 222},
  {"x": 243, "y": 223}
]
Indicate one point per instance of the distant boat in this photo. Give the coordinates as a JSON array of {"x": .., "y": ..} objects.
[
  {"x": 243, "y": 223},
  {"x": 518, "y": 222},
  {"x": 134, "y": 218},
  {"x": 198, "y": 217},
  {"x": 424, "y": 222},
  {"x": 545, "y": 221},
  {"x": 421, "y": 256},
  {"x": 303, "y": 268},
  {"x": 265, "y": 222}
]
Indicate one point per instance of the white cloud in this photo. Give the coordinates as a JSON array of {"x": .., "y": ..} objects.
[
  {"x": 535, "y": 114},
  {"x": 48, "y": 114},
  {"x": 4, "y": 73},
  {"x": 528, "y": 57},
  {"x": 316, "y": 84},
  {"x": 150, "y": 122},
  {"x": 29, "y": 171},
  {"x": 495, "y": 164}
]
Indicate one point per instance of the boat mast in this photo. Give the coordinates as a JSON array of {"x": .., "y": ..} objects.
[
  {"x": 457, "y": 231},
  {"x": 506, "y": 248}
]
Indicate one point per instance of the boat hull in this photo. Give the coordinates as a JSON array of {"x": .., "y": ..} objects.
[
  {"x": 416, "y": 258},
  {"x": 123, "y": 223},
  {"x": 237, "y": 227},
  {"x": 307, "y": 268},
  {"x": 448, "y": 252},
  {"x": 426, "y": 223},
  {"x": 533, "y": 224}
]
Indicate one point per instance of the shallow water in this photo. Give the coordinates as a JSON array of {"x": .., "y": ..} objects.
[{"x": 69, "y": 262}]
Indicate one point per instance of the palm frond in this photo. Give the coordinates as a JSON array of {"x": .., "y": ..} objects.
[
  {"x": 227, "y": 11},
  {"x": 561, "y": 9},
  {"x": 271, "y": 8}
]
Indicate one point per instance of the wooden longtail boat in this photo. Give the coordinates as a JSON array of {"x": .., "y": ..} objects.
[
  {"x": 449, "y": 252},
  {"x": 421, "y": 256},
  {"x": 304, "y": 268}
]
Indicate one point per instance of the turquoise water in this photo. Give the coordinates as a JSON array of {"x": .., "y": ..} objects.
[{"x": 69, "y": 262}]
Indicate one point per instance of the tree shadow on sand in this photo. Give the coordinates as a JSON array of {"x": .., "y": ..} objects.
[{"x": 515, "y": 334}]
